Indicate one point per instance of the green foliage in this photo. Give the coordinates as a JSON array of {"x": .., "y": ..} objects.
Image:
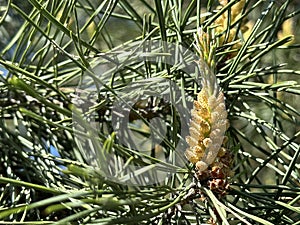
[{"x": 47, "y": 47}]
